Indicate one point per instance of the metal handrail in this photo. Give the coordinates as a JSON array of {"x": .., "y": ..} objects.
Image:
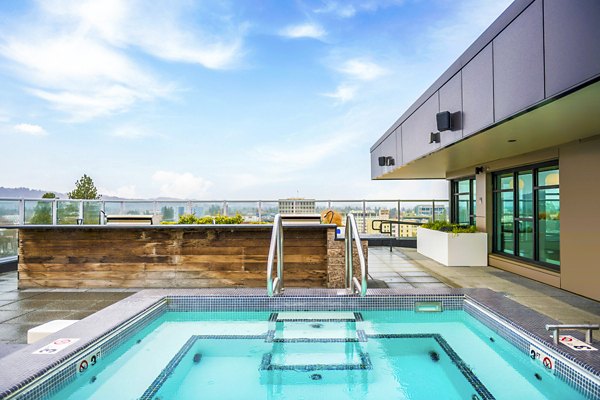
[
  {"x": 587, "y": 327},
  {"x": 351, "y": 282},
  {"x": 275, "y": 285},
  {"x": 390, "y": 222}
]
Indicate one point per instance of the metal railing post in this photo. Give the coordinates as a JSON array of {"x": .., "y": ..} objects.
[
  {"x": 54, "y": 208},
  {"x": 81, "y": 211},
  {"x": 259, "y": 211},
  {"x": 364, "y": 209},
  {"x": 22, "y": 211}
]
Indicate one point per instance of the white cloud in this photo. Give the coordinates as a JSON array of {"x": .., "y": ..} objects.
[
  {"x": 126, "y": 192},
  {"x": 363, "y": 70},
  {"x": 132, "y": 132},
  {"x": 308, "y": 30},
  {"x": 343, "y": 93},
  {"x": 181, "y": 185},
  {"x": 78, "y": 56},
  {"x": 164, "y": 30},
  {"x": 30, "y": 129},
  {"x": 349, "y": 8},
  {"x": 340, "y": 10}
]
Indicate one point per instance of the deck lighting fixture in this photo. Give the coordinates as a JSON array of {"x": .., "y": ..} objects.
[
  {"x": 434, "y": 137},
  {"x": 386, "y": 161},
  {"x": 444, "y": 121}
]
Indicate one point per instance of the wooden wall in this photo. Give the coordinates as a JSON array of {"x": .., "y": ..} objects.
[{"x": 169, "y": 257}]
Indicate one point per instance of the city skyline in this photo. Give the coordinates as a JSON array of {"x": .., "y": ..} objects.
[{"x": 253, "y": 100}]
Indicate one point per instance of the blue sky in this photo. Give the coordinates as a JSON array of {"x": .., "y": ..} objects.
[{"x": 219, "y": 99}]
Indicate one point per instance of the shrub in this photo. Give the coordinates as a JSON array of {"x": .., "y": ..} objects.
[
  {"x": 445, "y": 226},
  {"x": 208, "y": 219}
]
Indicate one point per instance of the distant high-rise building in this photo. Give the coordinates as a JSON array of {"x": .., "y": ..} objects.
[
  {"x": 297, "y": 206},
  {"x": 426, "y": 210}
]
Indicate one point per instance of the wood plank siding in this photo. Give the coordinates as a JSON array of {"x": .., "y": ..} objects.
[{"x": 190, "y": 257}]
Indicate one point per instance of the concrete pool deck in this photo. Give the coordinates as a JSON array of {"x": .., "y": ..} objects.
[{"x": 402, "y": 268}]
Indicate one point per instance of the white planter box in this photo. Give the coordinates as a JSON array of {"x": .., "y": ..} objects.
[{"x": 453, "y": 250}]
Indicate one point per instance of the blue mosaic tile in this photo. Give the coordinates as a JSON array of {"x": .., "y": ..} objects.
[
  {"x": 64, "y": 370},
  {"x": 478, "y": 386},
  {"x": 168, "y": 370},
  {"x": 510, "y": 330}
]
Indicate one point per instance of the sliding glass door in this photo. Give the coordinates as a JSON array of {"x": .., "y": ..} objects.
[{"x": 527, "y": 214}]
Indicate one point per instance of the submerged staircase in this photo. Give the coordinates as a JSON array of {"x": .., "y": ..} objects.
[{"x": 314, "y": 346}]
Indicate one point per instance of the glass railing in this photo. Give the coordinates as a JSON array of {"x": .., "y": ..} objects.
[
  {"x": 369, "y": 213},
  {"x": 9, "y": 243}
]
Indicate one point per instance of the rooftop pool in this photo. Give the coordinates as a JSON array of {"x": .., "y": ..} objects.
[{"x": 191, "y": 344}]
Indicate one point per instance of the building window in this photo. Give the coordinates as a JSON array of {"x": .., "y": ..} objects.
[
  {"x": 463, "y": 201},
  {"x": 527, "y": 214}
]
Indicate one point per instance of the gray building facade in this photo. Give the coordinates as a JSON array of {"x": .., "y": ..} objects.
[{"x": 523, "y": 154}]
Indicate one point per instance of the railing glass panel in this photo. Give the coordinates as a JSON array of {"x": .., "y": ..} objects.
[
  {"x": 202, "y": 208},
  {"x": 321, "y": 206},
  {"x": 91, "y": 212},
  {"x": 415, "y": 211},
  {"x": 268, "y": 210},
  {"x": 38, "y": 212},
  {"x": 9, "y": 212},
  {"x": 247, "y": 209},
  {"x": 346, "y": 207},
  {"x": 129, "y": 208},
  {"x": 170, "y": 212},
  {"x": 9, "y": 243},
  {"x": 375, "y": 213},
  {"x": 67, "y": 212}
]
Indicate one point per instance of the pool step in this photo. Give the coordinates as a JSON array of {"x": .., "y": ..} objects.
[
  {"x": 315, "y": 327},
  {"x": 314, "y": 356},
  {"x": 315, "y": 331},
  {"x": 304, "y": 342},
  {"x": 308, "y": 316}
]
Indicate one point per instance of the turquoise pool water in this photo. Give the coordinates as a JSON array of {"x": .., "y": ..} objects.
[{"x": 309, "y": 355}]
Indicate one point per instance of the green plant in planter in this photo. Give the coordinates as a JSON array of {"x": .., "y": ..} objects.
[
  {"x": 187, "y": 219},
  {"x": 445, "y": 226},
  {"x": 208, "y": 219}
]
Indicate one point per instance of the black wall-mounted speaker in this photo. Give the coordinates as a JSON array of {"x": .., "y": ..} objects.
[
  {"x": 444, "y": 121},
  {"x": 390, "y": 161},
  {"x": 381, "y": 161}
]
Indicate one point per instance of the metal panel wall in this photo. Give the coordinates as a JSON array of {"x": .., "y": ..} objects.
[
  {"x": 387, "y": 148},
  {"x": 519, "y": 63},
  {"x": 416, "y": 130},
  {"x": 572, "y": 43},
  {"x": 451, "y": 100},
  {"x": 478, "y": 92}
]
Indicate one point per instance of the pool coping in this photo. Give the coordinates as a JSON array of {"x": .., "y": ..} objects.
[{"x": 22, "y": 367}]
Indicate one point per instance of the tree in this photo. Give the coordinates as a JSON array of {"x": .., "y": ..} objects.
[
  {"x": 84, "y": 189},
  {"x": 49, "y": 195}
]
